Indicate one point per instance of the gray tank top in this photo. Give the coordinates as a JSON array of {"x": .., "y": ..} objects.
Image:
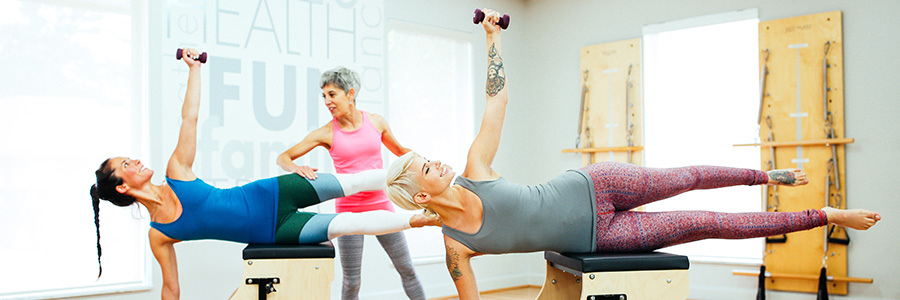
[{"x": 557, "y": 215}]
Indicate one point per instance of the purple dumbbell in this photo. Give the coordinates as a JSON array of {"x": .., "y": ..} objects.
[
  {"x": 479, "y": 16},
  {"x": 202, "y": 58}
]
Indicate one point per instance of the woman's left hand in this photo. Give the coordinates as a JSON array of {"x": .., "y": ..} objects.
[
  {"x": 420, "y": 220},
  {"x": 491, "y": 21}
]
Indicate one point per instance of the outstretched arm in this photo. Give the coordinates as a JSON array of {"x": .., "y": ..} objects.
[
  {"x": 458, "y": 264},
  {"x": 164, "y": 250},
  {"x": 182, "y": 159},
  {"x": 387, "y": 136},
  {"x": 484, "y": 148},
  {"x": 319, "y": 137}
]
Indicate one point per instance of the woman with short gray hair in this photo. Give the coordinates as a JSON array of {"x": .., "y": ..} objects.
[{"x": 353, "y": 139}]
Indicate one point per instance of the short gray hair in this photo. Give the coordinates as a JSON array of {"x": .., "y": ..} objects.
[{"x": 342, "y": 78}]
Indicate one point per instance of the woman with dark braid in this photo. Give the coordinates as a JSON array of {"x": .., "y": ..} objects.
[
  {"x": 584, "y": 210},
  {"x": 264, "y": 211}
]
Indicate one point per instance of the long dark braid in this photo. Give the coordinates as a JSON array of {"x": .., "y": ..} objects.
[
  {"x": 105, "y": 189},
  {"x": 96, "y": 201}
]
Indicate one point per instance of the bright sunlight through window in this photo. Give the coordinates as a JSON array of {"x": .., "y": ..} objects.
[
  {"x": 701, "y": 97},
  {"x": 67, "y": 104},
  {"x": 430, "y": 104}
]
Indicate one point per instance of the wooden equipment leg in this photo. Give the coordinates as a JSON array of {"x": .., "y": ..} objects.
[
  {"x": 559, "y": 285},
  {"x": 297, "y": 279}
]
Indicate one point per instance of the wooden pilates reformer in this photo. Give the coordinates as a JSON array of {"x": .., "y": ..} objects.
[
  {"x": 611, "y": 81},
  {"x": 822, "y": 142},
  {"x": 792, "y": 61},
  {"x": 799, "y": 71},
  {"x": 802, "y": 276},
  {"x": 604, "y": 149}
]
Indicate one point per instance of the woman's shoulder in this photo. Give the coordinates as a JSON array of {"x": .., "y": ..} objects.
[
  {"x": 157, "y": 238},
  {"x": 476, "y": 174},
  {"x": 372, "y": 116},
  {"x": 170, "y": 180},
  {"x": 326, "y": 129},
  {"x": 377, "y": 120},
  {"x": 322, "y": 135},
  {"x": 178, "y": 170},
  {"x": 181, "y": 186}
]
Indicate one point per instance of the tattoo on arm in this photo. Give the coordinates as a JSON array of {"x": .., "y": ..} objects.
[
  {"x": 783, "y": 177},
  {"x": 496, "y": 77},
  {"x": 453, "y": 263}
]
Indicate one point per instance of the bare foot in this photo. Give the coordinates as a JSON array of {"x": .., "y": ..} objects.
[
  {"x": 859, "y": 219},
  {"x": 786, "y": 177}
]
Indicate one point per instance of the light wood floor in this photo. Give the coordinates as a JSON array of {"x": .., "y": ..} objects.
[{"x": 523, "y": 292}]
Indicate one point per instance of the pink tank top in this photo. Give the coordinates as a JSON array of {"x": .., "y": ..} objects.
[{"x": 353, "y": 152}]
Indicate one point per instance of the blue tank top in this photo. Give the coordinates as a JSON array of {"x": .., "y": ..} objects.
[{"x": 244, "y": 214}]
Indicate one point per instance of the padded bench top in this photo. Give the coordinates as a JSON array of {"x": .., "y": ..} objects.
[
  {"x": 614, "y": 262},
  {"x": 255, "y": 251}
]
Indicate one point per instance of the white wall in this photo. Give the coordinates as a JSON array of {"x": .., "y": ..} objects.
[
  {"x": 558, "y": 29},
  {"x": 212, "y": 269},
  {"x": 541, "y": 52}
]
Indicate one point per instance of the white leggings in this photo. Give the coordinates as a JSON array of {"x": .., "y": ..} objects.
[{"x": 322, "y": 227}]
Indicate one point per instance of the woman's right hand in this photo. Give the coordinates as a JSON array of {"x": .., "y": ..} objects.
[
  {"x": 305, "y": 171},
  {"x": 188, "y": 57}
]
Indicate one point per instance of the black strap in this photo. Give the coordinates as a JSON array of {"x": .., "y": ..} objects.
[
  {"x": 834, "y": 240},
  {"x": 823, "y": 285},
  {"x": 776, "y": 239},
  {"x": 761, "y": 292}
]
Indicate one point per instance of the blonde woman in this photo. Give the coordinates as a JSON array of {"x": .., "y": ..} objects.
[{"x": 584, "y": 210}]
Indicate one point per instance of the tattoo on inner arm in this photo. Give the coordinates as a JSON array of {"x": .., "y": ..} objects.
[
  {"x": 783, "y": 176},
  {"x": 496, "y": 77},
  {"x": 453, "y": 263}
]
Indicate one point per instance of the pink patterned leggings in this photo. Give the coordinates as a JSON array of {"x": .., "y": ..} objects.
[{"x": 620, "y": 187}]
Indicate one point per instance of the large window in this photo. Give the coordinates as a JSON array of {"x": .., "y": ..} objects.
[
  {"x": 430, "y": 104},
  {"x": 69, "y": 101},
  {"x": 701, "y": 97}
]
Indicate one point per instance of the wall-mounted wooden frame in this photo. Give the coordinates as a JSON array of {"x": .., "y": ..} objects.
[
  {"x": 611, "y": 127},
  {"x": 802, "y": 110}
]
